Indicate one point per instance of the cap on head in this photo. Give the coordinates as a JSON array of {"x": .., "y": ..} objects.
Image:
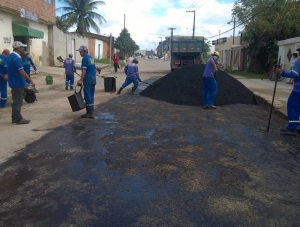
[
  {"x": 216, "y": 53},
  {"x": 82, "y": 48},
  {"x": 5, "y": 51},
  {"x": 70, "y": 55},
  {"x": 298, "y": 49},
  {"x": 18, "y": 44},
  {"x": 135, "y": 61}
]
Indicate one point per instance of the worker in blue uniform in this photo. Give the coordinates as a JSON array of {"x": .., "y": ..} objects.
[
  {"x": 132, "y": 76},
  {"x": 88, "y": 80},
  {"x": 3, "y": 77},
  {"x": 293, "y": 104},
  {"x": 209, "y": 83},
  {"x": 70, "y": 68},
  {"x": 27, "y": 62}
]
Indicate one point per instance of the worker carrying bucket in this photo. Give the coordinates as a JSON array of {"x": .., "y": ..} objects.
[{"x": 293, "y": 107}]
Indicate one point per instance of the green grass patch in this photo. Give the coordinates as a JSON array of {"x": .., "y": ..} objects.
[
  {"x": 107, "y": 61},
  {"x": 249, "y": 75}
]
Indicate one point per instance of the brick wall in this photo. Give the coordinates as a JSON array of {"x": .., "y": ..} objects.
[
  {"x": 44, "y": 10},
  {"x": 92, "y": 47}
]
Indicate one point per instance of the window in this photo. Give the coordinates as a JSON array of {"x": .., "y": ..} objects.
[{"x": 49, "y": 1}]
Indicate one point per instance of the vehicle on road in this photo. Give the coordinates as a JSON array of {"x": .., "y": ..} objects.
[{"x": 186, "y": 51}]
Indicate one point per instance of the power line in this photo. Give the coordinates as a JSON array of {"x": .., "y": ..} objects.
[
  {"x": 217, "y": 16},
  {"x": 270, "y": 6}
]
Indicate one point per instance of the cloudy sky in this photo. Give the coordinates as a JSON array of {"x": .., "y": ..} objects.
[{"x": 147, "y": 20}]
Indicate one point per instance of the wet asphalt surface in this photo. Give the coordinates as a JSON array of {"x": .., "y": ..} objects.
[{"x": 143, "y": 162}]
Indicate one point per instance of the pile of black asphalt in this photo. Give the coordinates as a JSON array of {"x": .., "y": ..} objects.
[{"x": 185, "y": 87}]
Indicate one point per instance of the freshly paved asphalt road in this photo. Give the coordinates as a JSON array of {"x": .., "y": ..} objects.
[{"x": 147, "y": 163}]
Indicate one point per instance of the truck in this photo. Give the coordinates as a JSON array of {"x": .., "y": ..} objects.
[{"x": 186, "y": 51}]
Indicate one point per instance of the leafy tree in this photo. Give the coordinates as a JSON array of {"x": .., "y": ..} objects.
[
  {"x": 206, "y": 49},
  {"x": 81, "y": 14},
  {"x": 126, "y": 44},
  {"x": 266, "y": 22},
  {"x": 62, "y": 24}
]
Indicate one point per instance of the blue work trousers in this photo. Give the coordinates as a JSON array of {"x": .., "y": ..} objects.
[
  {"x": 129, "y": 80},
  {"x": 293, "y": 109},
  {"x": 3, "y": 91},
  {"x": 89, "y": 93},
  {"x": 209, "y": 91},
  {"x": 70, "y": 81}
]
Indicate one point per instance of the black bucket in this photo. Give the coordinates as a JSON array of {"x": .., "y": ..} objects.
[{"x": 109, "y": 84}]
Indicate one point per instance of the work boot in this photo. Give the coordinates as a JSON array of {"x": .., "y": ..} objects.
[
  {"x": 212, "y": 107},
  {"x": 88, "y": 115},
  {"x": 22, "y": 122},
  {"x": 132, "y": 90},
  {"x": 66, "y": 87},
  {"x": 119, "y": 92}
]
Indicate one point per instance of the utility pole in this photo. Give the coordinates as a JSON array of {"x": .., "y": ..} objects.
[
  {"x": 233, "y": 29},
  {"x": 124, "y": 20},
  {"x": 171, "y": 44},
  {"x": 110, "y": 51},
  {"x": 193, "y": 11}
]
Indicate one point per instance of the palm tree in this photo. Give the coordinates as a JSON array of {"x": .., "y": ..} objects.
[
  {"x": 62, "y": 24},
  {"x": 81, "y": 14}
]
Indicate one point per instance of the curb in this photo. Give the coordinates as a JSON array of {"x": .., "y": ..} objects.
[{"x": 263, "y": 102}]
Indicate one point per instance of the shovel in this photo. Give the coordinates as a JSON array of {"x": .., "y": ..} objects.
[{"x": 147, "y": 83}]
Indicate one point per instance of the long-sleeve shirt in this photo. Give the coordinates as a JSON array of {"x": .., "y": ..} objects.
[
  {"x": 132, "y": 70},
  {"x": 26, "y": 64},
  {"x": 69, "y": 64},
  {"x": 294, "y": 73},
  {"x": 209, "y": 68}
]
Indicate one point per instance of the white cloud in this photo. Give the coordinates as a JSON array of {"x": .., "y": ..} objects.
[{"x": 148, "y": 20}]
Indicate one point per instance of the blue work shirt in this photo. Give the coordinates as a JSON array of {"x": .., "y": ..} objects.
[
  {"x": 132, "y": 70},
  {"x": 88, "y": 64},
  {"x": 14, "y": 65},
  {"x": 69, "y": 64},
  {"x": 26, "y": 63},
  {"x": 295, "y": 73},
  {"x": 209, "y": 68},
  {"x": 3, "y": 66}
]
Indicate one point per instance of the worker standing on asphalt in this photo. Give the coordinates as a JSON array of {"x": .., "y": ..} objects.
[
  {"x": 17, "y": 81},
  {"x": 293, "y": 104},
  {"x": 27, "y": 61},
  {"x": 132, "y": 76},
  {"x": 209, "y": 83},
  {"x": 70, "y": 67},
  {"x": 88, "y": 80},
  {"x": 3, "y": 77}
]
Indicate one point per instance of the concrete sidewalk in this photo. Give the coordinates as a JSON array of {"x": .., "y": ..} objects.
[{"x": 265, "y": 88}]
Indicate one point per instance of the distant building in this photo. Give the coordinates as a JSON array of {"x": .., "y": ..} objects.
[
  {"x": 163, "y": 47},
  {"x": 63, "y": 43},
  {"x": 286, "y": 49},
  {"x": 28, "y": 22},
  {"x": 232, "y": 56}
]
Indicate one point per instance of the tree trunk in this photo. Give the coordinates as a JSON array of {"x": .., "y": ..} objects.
[{"x": 249, "y": 64}]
